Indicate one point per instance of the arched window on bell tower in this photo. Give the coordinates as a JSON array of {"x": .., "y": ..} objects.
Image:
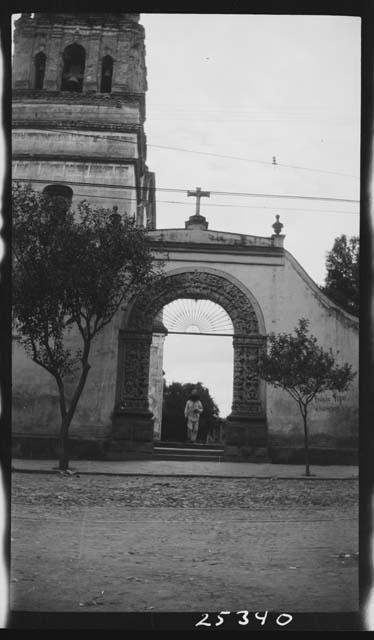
[
  {"x": 106, "y": 74},
  {"x": 40, "y": 60},
  {"x": 74, "y": 57}
]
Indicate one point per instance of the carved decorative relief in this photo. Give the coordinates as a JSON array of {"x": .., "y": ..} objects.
[
  {"x": 246, "y": 380},
  {"x": 200, "y": 285},
  {"x": 134, "y": 371}
]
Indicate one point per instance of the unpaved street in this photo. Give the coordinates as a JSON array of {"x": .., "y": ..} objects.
[{"x": 183, "y": 544}]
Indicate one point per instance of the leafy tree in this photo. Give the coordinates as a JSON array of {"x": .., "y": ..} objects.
[
  {"x": 70, "y": 271},
  {"x": 342, "y": 282},
  {"x": 297, "y": 364},
  {"x": 174, "y": 401}
]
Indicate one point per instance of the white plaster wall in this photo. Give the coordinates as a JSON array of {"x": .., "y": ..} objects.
[
  {"x": 35, "y": 395},
  {"x": 285, "y": 293}
]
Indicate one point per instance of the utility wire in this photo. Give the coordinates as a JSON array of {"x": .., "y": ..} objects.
[
  {"x": 262, "y": 162},
  {"x": 245, "y": 206},
  {"x": 215, "y": 155},
  {"x": 221, "y": 205},
  {"x": 169, "y": 108},
  {"x": 177, "y": 190}
]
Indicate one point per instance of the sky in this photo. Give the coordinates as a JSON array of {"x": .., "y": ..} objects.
[
  {"x": 256, "y": 87},
  {"x": 253, "y": 87}
]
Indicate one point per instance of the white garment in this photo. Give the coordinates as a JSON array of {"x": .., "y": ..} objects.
[{"x": 192, "y": 412}]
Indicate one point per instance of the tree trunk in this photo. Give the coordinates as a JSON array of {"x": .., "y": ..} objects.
[
  {"x": 306, "y": 443},
  {"x": 67, "y": 416},
  {"x": 63, "y": 445}
]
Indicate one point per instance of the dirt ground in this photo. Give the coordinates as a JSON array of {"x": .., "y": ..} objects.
[{"x": 123, "y": 544}]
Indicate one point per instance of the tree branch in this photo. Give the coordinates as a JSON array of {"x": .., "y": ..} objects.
[{"x": 293, "y": 393}]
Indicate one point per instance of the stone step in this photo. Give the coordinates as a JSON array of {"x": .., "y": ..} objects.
[
  {"x": 188, "y": 449},
  {"x": 187, "y": 457},
  {"x": 187, "y": 452},
  {"x": 186, "y": 445}
]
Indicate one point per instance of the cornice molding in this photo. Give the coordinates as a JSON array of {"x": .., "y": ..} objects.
[
  {"x": 47, "y": 157},
  {"x": 84, "y": 97},
  {"x": 77, "y": 124},
  {"x": 212, "y": 247}
]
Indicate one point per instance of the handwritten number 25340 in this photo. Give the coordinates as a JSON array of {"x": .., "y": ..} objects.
[{"x": 282, "y": 619}]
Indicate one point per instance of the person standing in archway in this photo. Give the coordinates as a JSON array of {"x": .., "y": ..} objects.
[{"x": 192, "y": 412}]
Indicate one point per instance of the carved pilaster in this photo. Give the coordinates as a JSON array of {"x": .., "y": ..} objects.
[
  {"x": 121, "y": 72},
  {"x": 246, "y": 383},
  {"x": 92, "y": 67},
  {"x": 53, "y": 70},
  {"x": 246, "y": 425},
  {"x": 132, "y": 419},
  {"x": 134, "y": 355},
  {"x": 130, "y": 63},
  {"x": 23, "y": 59}
]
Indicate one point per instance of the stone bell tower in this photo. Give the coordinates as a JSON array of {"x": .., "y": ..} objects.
[{"x": 79, "y": 84}]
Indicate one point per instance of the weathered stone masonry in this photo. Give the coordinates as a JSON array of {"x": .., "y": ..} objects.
[{"x": 72, "y": 132}]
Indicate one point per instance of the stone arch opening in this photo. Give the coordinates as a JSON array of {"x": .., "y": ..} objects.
[
  {"x": 133, "y": 421},
  {"x": 195, "y": 284},
  {"x": 39, "y": 70},
  {"x": 197, "y": 351},
  {"x": 74, "y": 58},
  {"x": 106, "y": 74}
]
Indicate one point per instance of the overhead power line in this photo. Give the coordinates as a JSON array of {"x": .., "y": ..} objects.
[
  {"x": 236, "y": 108},
  {"x": 217, "y": 204},
  {"x": 262, "y": 162},
  {"x": 215, "y": 155},
  {"x": 274, "y": 208},
  {"x": 178, "y": 190}
]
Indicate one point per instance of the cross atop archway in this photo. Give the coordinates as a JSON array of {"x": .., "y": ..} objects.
[{"x": 198, "y": 194}]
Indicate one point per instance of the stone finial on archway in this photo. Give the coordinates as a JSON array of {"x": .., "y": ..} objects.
[
  {"x": 277, "y": 226},
  {"x": 277, "y": 237}
]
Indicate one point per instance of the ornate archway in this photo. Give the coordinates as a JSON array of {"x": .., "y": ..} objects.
[{"x": 132, "y": 418}]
